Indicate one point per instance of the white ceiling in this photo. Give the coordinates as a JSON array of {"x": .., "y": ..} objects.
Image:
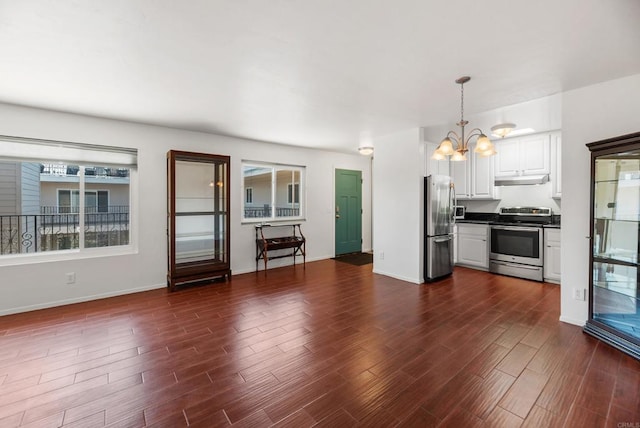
[{"x": 315, "y": 73}]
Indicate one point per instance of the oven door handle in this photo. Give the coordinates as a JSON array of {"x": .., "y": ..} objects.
[
  {"x": 517, "y": 229},
  {"x": 521, "y": 266}
]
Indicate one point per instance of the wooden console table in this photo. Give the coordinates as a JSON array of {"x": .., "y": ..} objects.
[{"x": 294, "y": 242}]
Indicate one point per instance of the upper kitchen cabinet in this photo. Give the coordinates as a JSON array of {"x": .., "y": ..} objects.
[
  {"x": 556, "y": 165},
  {"x": 523, "y": 156},
  {"x": 474, "y": 178}
]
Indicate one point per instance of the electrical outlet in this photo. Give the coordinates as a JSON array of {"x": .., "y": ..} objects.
[
  {"x": 381, "y": 255},
  {"x": 71, "y": 277},
  {"x": 579, "y": 293}
]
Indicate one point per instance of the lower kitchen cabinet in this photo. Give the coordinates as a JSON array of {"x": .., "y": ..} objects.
[
  {"x": 455, "y": 244},
  {"x": 552, "y": 255},
  {"x": 473, "y": 245}
]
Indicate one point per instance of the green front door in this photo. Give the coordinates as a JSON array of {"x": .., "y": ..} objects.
[{"x": 348, "y": 211}]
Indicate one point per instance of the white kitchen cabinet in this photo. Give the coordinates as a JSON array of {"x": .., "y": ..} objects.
[
  {"x": 552, "y": 255},
  {"x": 474, "y": 178},
  {"x": 556, "y": 165},
  {"x": 523, "y": 156},
  {"x": 473, "y": 245},
  {"x": 455, "y": 244},
  {"x": 432, "y": 166}
]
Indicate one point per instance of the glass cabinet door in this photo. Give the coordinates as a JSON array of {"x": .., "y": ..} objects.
[
  {"x": 201, "y": 210},
  {"x": 614, "y": 313}
]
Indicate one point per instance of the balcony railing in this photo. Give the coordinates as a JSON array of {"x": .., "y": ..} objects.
[
  {"x": 66, "y": 209},
  {"x": 265, "y": 212},
  {"x": 62, "y": 170},
  {"x": 49, "y": 232}
]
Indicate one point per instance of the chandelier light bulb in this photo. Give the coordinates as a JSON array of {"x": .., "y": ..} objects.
[
  {"x": 483, "y": 144},
  {"x": 437, "y": 155},
  {"x": 458, "y": 156},
  {"x": 446, "y": 147}
]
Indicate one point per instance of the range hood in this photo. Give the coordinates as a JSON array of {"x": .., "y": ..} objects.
[{"x": 521, "y": 180}]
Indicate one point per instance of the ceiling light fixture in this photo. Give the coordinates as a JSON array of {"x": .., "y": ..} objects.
[
  {"x": 502, "y": 130},
  {"x": 365, "y": 150},
  {"x": 484, "y": 147}
]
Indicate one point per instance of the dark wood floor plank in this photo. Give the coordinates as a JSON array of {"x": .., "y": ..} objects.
[
  {"x": 517, "y": 359},
  {"x": 500, "y": 418},
  {"x": 483, "y": 396},
  {"x": 329, "y": 345},
  {"x": 539, "y": 417},
  {"x": 524, "y": 392}
]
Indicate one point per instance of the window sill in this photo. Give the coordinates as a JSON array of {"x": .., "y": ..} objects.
[
  {"x": 66, "y": 255},
  {"x": 282, "y": 222}
]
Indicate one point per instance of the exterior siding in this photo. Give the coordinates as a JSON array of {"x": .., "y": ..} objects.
[
  {"x": 30, "y": 173},
  {"x": 9, "y": 185}
]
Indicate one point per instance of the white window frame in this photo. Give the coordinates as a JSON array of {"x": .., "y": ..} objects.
[
  {"x": 21, "y": 149},
  {"x": 275, "y": 167},
  {"x": 248, "y": 195}
]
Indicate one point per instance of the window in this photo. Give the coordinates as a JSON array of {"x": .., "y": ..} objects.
[
  {"x": 293, "y": 193},
  {"x": 272, "y": 191},
  {"x": 95, "y": 201},
  {"x": 40, "y": 205}
]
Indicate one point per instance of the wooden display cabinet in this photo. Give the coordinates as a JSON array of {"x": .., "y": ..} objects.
[
  {"x": 198, "y": 232},
  {"x": 614, "y": 298}
]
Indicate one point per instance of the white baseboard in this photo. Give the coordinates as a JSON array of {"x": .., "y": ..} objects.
[
  {"x": 401, "y": 278},
  {"x": 579, "y": 323},
  {"x": 79, "y": 299},
  {"x": 240, "y": 271}
]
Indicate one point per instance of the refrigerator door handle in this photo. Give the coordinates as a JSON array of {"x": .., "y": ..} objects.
[
  {"x": 452, "y": 198},
  {"x": 440, "y": 240}
]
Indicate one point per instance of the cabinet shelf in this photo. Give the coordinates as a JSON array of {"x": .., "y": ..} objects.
[
  {"x": 196, "y": 213},
  {"x": 197, "y": 217}
]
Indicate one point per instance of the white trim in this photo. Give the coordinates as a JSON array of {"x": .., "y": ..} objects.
[
  {"x": 274, "y": 168},
  {"x": 579, "y": 323},
  {"x": 413, "y": 281},
  {"x": 80, "y": 299}
]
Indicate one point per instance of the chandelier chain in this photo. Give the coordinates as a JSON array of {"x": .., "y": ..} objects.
[{"x": 461, "y": 102}]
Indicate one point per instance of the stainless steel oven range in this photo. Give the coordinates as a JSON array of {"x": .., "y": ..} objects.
[{"x": 517, "y": 242}]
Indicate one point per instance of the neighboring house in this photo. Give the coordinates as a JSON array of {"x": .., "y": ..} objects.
[{"x": 40, "y": 207}]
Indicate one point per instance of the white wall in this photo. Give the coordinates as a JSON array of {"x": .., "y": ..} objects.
[
  {"x": 32, "y": 286},
  {"x": 589, "y": 114},
  {"x": 397, "y": 205}
]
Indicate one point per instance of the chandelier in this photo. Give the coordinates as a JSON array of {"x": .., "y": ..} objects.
[{"x": 457, "y": 145}]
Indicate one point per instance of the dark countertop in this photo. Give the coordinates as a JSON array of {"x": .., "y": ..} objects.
[
  {"x": 492, "y": 218},
  {"x": 486, "y": 222}
]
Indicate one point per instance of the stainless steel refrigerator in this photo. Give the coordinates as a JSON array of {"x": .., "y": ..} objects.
[{"x": 439, "y": 200}]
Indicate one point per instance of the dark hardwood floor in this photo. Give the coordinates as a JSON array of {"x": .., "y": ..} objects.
[{"x": 331, "y": 345}]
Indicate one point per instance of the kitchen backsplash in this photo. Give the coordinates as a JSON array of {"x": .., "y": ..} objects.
[{"x": 516, "y": 196}]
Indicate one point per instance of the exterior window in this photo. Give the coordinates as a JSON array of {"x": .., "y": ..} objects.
[
  {"x": 275, "y": 191},
  {"x": 293, "y": 193},
  {"x": 40, "y": 205},
  {"x": 95, "y": 201}
]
